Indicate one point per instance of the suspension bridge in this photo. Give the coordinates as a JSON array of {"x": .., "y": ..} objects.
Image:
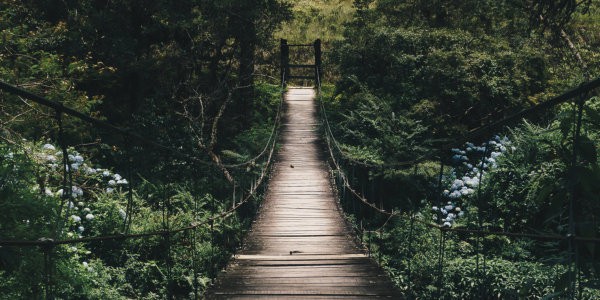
[{"x": 300, "y": 245}]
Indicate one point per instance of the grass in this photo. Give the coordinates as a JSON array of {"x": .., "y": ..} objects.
[{"x": 317, "y": 19}]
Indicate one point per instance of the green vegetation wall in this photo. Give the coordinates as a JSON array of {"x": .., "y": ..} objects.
[{"x": 416, "y": 75}]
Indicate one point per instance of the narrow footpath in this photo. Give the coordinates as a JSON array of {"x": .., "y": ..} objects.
[{"x": 300, "y": 246}]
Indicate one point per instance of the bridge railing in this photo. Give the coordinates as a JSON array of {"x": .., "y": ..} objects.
[
  {"x": 360, "y": 197},
  {"x": 311, "y": 70},
  {"x": 227, "y": 207}
]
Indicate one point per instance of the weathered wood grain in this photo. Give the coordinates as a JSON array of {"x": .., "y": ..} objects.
[{"x": 299, "y": 245}]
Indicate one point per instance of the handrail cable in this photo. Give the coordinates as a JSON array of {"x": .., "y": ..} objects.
[
  {"x": 269, "y": 141},
  {"x": 584, "y": 88},
  {"x": 480, "y": 131},
  {"x": 59, "y": 107},
  {"x": 223, "y": 215}
]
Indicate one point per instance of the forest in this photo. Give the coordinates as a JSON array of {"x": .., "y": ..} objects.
[{"x": 150, "y": 192}]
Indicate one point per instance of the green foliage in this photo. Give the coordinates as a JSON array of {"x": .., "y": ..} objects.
[
  {"x": 502, "y": 279},
  {"x": 34, "y": 211},
  {"x": 111, "y": 269},
  {"x": 440, "y": 75},
  {"x": 419, "y": 73},
  {"x": 321, "y": 19}
]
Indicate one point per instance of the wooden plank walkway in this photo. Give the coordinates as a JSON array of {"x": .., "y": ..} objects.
[{"x": 300, "y": 246}]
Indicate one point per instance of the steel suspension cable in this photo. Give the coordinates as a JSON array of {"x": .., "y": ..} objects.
[
  {"x": 222, "y": 215},
  {"x": 584, "y": 88}
]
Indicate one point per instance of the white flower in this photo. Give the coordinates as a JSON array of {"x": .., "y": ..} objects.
[
  {"x": 122, "y": 213},
  {"x": 87, "y": 210},
  {"x": 448, "y": 207},
  {"x": 48, "y": 147},
  {"x": 455, "y": 194},
  {"x": 462, "y": 213},
  {"x": 76, "y": 219},
  {"x": 60, "y": 193},
  {"x": 457, "y": 209},
  {"x": 48, "y": 192},
  {"x": 472, "y": 182},
  {"x": 105, "y": 173},
  {"x": 109, "y": 190},
  {"x": 78, "y": 159},
  {"x": 80, "y": 203},
  {"x": 446, "y": 192},
  {"x": 457, "y": 184},
  {"x": 435, "y": 208},
  {"x": 90, "y": 171},
  {"x": 117, "y": 177},
  {"x": 77, "y": 191},
  {"x": 71, "y": 157},
  {"x": 467, "y": 191},
  {"x": 122, "y": 181},
  {"x": 50, "y": 158},
  {"x": 70, "y": 205},
  {"x": 445, "y": 212},
  {"x": 112, "y": 182},
  {"x": 447, "y": 224},
  {"x": 85, "y": 264},
  {"x": 89, "y": 217},
  {"x": 81, "y": 228},
  {"x": 75, "y": 166}
]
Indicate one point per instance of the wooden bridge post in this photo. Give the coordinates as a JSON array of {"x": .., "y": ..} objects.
[
  {"x": 318, "y": 62},
  {"x": 285, "y": 60}
]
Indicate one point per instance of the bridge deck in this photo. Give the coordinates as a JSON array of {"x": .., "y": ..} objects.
[{"x": 300, "y": 246}]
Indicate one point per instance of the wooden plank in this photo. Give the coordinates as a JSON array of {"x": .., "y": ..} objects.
[{"x": 299, "y": 246}]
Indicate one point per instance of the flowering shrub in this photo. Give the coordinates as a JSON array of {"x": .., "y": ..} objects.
[
  {"x": 35, "y": 204},
  {"x": 86, "y": 181},
  {"x": 469, "y": 168}
]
